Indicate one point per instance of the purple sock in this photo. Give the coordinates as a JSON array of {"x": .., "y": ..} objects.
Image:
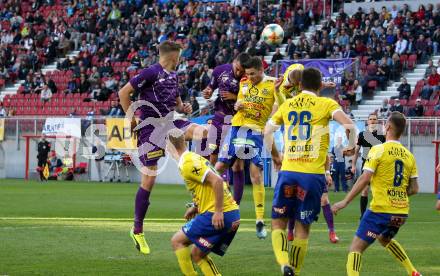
[
  {"x": 225, "y": 176},
  {"x": 140, "y": 209},
  {"x": 238, "y": 180},
  {"x": 291, "y": 224},
  {"x": 328, "y": 215}
]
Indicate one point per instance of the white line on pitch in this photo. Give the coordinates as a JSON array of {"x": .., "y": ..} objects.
[{"x": 153, "y": 219}]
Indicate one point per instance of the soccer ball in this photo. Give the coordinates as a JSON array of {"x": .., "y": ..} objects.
[{"x": 273, "y": 34}]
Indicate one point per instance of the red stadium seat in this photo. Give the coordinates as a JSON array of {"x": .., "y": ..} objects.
[
  {"x": 403, "y": 60},
  {"x": 411, "y": 63},
  {"x": 372, "y": 84}
]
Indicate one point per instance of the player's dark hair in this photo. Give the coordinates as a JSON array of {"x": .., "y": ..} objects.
[
  {"x": 311, "y": 79},
  {"x": 398, "y": 121},
  {"x": 242, "y": 58},
  {"x": 177, "y": 138},
  {"x": 253, "y": 62},
  {"x": 167, "y": 47}
]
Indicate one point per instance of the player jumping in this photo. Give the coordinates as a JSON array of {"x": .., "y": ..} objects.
[
  {"x": 392, "y": 171},
  {"x": 301, "y": 180},
  {"x": 290, "y": 88},
  {"x": 215, "y": 217},
  {"x": 158, "y": 87},
  {"x": 226, "y": 79},
  {"x": 257, "y": 96}
]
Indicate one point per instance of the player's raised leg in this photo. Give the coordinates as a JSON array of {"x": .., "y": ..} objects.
[
  {"x": 181, "y": 245},
  {"x": 258, "y": 192},
  {"x": 238, "y": 180}
]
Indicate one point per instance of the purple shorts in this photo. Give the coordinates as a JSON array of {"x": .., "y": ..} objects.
[
  {"x": 151, "y": 141},
  {"x": 219, "y": 129}
]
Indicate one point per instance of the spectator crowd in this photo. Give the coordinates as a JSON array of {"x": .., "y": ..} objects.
[{"x": 115, "y": 39}]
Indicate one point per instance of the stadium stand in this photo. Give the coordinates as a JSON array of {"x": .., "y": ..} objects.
[{"x": 113, "y": 41}]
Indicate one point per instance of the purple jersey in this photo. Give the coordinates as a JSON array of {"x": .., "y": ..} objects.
[
  {"x": 223, "y": 78},
  {"x": 158, "y": 87}
]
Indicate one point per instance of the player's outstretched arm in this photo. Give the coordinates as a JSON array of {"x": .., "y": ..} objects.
[
  {"x": 279, "y": 97},
  {"x": 355, "y": 158},
  {"x": 361, "y": 183},
  {"x": 182, "y": 107},
  {"x": 328, "y": 176},
  {"x": 207, "y": 92},
  {"x": 342, "y": 118},
  {"x": 413, "y": 187},
  {"x": 124, "y": 96},
  {"x": 269, "y": 143},
  {"x": 217, "y": 186}
]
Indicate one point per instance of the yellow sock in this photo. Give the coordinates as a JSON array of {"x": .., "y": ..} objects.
[
  {"x": 354, "y": 263},
  {"x": 298, "y": 252},
  {"x": 280, "y": 246},
  {"x": 185, "y": 262},
  {"x": 399, "y": 253},
  {"x": 208, "y": 267},
  {"x": 258, "y": 192}
]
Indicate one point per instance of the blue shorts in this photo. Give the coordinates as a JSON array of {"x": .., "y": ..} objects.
[
  {"x": 374, "y": 224},
  {"x": 202, "y": 233},
  {"x": 324, "y": 187},
  {"x": 242, "y": 143},
  {"x": 298, "y": 195},
  {"x": 438, "y": 195}
]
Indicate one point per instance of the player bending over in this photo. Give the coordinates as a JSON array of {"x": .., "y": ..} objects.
[
  {"x": 391, "y": 171},
  {"x": 226, "y": 78},
  {"x": 301, "y": 180},
  {"x": 214, "y": 220},
  {"x": 158, "y": 87},
  {"x": 257, "y": 96}
]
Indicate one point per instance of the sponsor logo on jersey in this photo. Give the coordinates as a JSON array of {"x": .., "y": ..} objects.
[
  {"x": 288, "y": 191},
  {"x": 305, "y": 214},
  {"x": 301, "y": 193},
  {"x": 155, "y": 154},
  {"x": 265, "y": 92},
  {"x": 204, "y": 243},
  {"x": 196, "y": 171},
  {"x": 280, "y": 211},
  {"x": 371, "y": 234}
]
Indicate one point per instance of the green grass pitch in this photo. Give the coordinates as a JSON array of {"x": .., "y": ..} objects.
[{"x": 80, "y": 228}]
